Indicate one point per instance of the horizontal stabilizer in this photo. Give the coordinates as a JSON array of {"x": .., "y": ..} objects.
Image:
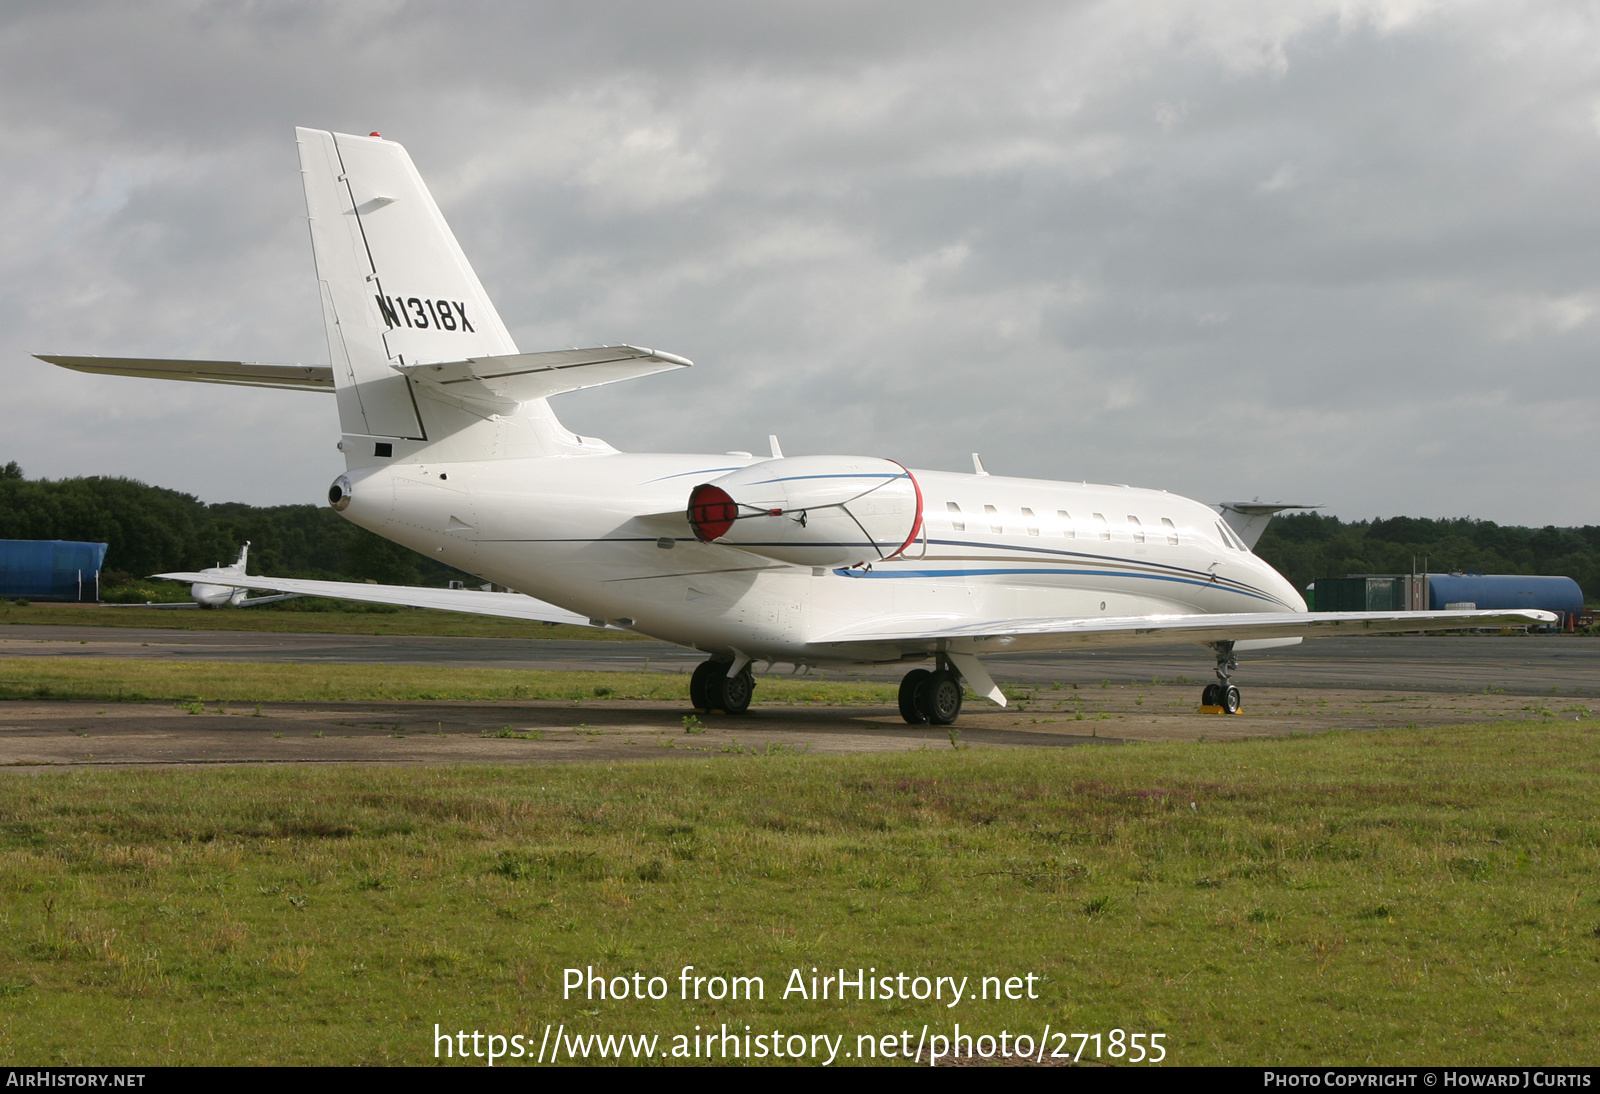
[
  {"x": 521, "y": 377},
  {"x": 1249, "y": 519},
  {"x": 473, "y": 601},
  {"x": 238, "y": 373},
  {"x": 1019, "y": 635}
]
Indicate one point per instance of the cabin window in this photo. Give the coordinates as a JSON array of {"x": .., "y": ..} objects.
[
  {"x": 1105, "y": 526},
  {"x": 1136, "y": 528},
  {"x": 955, "y": 520},
  {"x": 1028, "y": 519},
  {"x": 994, "y": 519},
  {"x": 1066, "y": 524},
  {"x": 1172, "y": 531}
]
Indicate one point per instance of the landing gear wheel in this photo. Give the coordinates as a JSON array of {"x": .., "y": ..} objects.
[
  {"x": 909, "y": 710},
  {"x": 939, "y": 698},
  {"x": 731, "y": 694},
  {"x": 700, "y": 684},
  {"x": 1222, "y": 694}
]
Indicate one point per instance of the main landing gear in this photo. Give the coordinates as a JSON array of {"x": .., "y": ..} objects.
[
  {"x": 931, "y": 697},
  {"x": 712, "y": 689},
  {"x": 1221, "y": 697}
]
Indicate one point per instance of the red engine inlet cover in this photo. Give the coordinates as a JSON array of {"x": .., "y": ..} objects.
[{"x": 711, "y": 512}]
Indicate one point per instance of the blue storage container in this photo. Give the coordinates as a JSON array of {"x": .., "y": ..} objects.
[
  {"x": 1495, "y": 592},
  {"x": 50, "y": 569}
]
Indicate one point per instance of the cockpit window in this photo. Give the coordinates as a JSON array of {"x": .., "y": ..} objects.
[{"x": 1230, "y": 539}]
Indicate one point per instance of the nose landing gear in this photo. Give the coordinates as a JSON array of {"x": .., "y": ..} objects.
[
  {"x": 712, "y": 689},
  {"x": 931, "y": 698},
  {"x": 1221, "y": 697}
]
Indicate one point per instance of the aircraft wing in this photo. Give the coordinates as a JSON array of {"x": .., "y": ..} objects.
[
  {"x": 474, "y": 601},
  {"x": 250, "y": 603},
  {"x": 256, "y": 601},
  {"x": 178, "y": 605},
  {"x": 519, "y": 377},
  {"x": 911, "y": 635},
  {"x": 238, "y": 373}
]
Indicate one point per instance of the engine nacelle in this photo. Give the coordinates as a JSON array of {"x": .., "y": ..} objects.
[{"x": 812, "y": 510}]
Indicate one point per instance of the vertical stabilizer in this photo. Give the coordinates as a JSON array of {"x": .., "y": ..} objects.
[{"x": 396, "y": 288}]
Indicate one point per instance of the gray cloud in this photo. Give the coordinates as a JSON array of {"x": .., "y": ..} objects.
[{"x": 1340, "y": 252}]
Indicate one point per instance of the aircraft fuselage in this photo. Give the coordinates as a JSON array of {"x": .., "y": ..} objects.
[{"x": 568, "y": 530}]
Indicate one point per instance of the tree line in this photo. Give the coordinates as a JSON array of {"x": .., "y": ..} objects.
[
  {"x": 150, "y": 529},
  {"x": 1306, "y": 546}
]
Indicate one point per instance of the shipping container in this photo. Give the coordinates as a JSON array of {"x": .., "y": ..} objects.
[
  {"x": 1447, "y": 592},
  {"x": 50, "y": 569},
  {"x": 1386, "y": 593}
]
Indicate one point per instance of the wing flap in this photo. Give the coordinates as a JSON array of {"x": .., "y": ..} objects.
[
  {"x": 473, "y": 601},
  {"x": 520, "y": 377},
  {"x": 1020, "y": 635},
  {"x": 237, "y": 373}
]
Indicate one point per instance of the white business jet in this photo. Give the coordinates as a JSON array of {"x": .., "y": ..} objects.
[{"x": 452, "y": 449}]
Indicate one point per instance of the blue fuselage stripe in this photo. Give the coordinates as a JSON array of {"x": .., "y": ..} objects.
[
  {"x": 1056, "y": 552},
  {"x": 687, "y": 474},
  {"x": 861, "y": 475},
  {"x": 1001, "y": 571}
]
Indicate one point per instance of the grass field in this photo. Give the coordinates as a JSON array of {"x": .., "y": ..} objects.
[
  {"x": 336, "y": 619},
  {"x": 118, "y": 679},
  {"x": 1396, "y": 897}
]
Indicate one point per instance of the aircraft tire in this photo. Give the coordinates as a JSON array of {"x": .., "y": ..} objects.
[
  {"x": 731, "y": 694},
  {"x": 909, "y": 710},
  {"x": 700, "y": 684},
  {"x": 939, "y": 698},
  {"x": 1230, "y": 699},
  {"x": 1209, "y": 697},
  {"x": 736, "y": 691}
]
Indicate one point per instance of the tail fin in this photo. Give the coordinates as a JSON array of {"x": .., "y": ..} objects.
[{"x": 396, "y": 288}]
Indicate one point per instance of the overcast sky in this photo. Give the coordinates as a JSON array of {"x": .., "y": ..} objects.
[{"x": 1327, "y": 252}]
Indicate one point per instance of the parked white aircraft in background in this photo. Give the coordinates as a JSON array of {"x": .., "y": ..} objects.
[
  {"x": 216, "y": 592},
  {"x": 452, "y": 449},
  {"x": 211, "y": 589}
]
